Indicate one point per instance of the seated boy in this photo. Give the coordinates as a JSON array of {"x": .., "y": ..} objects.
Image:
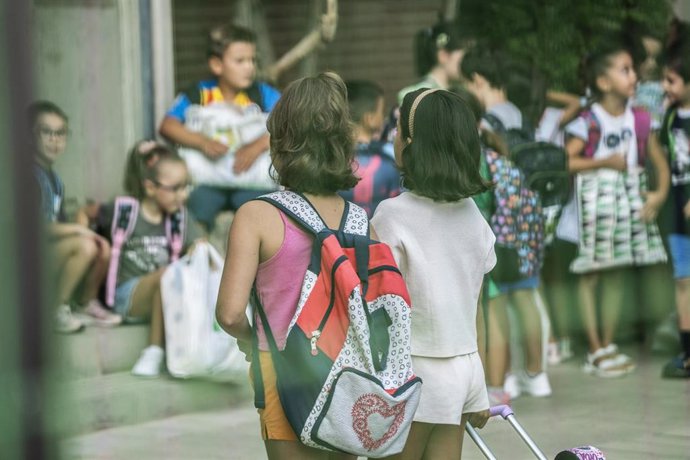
[
  {"x": 376, "y": 168},
  {"x": 79, "y": 256},
  {"x": 232, "y": 62}
]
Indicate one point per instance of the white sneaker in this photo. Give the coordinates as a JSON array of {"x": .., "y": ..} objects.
[
  {"x": 538, "y": 385},
  {"x": 511, "y": 386},
  {"x": 565, "y": 349},
  {"x": 150, "y": 362},
  {"x": 64, "y": 321},
  {"x": 95, "y": 313}
]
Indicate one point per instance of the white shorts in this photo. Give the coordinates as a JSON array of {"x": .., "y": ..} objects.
[{"x": 452, "y": 387}]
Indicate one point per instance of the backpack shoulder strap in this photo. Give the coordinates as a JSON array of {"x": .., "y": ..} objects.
[
  {"x": 125, "y": 214},
  {"x": 298, "y": 208},
  {"x": 356, "y": 220},
  {"x": 643, "y": 126},
  {"x": 593, "y": 133},
  {"x": 175, "y": 231}
]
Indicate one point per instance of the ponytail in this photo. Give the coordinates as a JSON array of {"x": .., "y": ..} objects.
[{"x": 143, "y": 162}]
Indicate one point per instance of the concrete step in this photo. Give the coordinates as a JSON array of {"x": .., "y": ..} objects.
[
  {"x": 98, "y": 351},
  {"x": 95, "y": 403}
]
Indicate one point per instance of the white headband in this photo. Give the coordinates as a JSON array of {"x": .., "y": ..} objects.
[{"x": 415, "y": 104}]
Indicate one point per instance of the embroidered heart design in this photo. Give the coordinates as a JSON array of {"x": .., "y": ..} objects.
[{"x": 368, "y": 405}]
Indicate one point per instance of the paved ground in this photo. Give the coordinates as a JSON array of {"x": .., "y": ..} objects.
[{"x": 634, "y": 418}]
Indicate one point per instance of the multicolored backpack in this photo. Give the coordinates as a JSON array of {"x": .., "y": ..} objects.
[
  {"x": 345, "y": 376},
  {"x": 517, "y": 221}
]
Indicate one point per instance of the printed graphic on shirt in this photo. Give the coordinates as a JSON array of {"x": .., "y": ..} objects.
[{"x": 679, "y": 148}]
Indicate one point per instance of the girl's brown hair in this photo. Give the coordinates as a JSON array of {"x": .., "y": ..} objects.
[
  {"x": 312, "y": 146},
  {"x": 143, "y": 162}
]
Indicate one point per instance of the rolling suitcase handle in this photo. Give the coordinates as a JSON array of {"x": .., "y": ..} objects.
[{"x": 507, "y": 413}]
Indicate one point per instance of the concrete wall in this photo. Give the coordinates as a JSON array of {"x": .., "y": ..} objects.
[{"x": 87, "y": 60}]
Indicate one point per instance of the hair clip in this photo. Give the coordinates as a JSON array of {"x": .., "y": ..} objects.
[
  {"x": 145, "y": 147},
  {"x": 442, "y": 40},
  {"x": 150, "y": 162}
]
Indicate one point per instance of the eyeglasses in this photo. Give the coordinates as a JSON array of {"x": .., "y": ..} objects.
[
  {"x": 185, "y": 187},
  {"x": 47, "y": 133}
]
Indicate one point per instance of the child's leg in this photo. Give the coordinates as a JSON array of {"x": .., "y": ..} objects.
[
  {"x": 73, "y": 255},
  {"x": 146, "y": 302},
  {"x": 289, "y": 450},
  {"x": 497, "y": 350},
  {"x": 587, "y": 287},
  {"x": 96, "y": 275},
  {"x": 683, "y": 307},
  {"x": 530, "y": 323},
  {"x": 612, "y": 284},
  {"x": 417, "y": 442},
  {"x": 445, "y": 441}
]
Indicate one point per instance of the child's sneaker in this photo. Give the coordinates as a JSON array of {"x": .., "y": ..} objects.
[
  {"x": 537, "y": 385},
  {"x": 677, "y": 368},
  {"x": 150, "y": 362},
  {"x": 95, "y": 313},
  {"x": 553, "y": 354},
  {"x": 65, "y": 322},
  {"x": 511, "y": 386}
]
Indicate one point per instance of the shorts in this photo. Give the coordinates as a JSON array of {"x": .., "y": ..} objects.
[
  {"x": 452, "y": 387},
  {"x": 123, "y": 297},
  {"x": 274, "y": 424},
  {"x": 679, "y": 246},
  {"x": 527, "y": 283}
]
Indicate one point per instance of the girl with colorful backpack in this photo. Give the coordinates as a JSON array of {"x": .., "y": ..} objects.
[
  {"x": 607, "y": 148},
  {"x": 444, "y": 248},
  {"x": 148, "y": 230},
  {"x": 329, "y": 345}
]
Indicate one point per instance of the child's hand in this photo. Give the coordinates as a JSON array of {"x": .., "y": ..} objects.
[
  {"x": 329, "y": 22},
  {"x": 246, "y": 348},
  {"x": 617, "y": 162},
  {"x": 652, "y": 204},
  {"x": 244, "y": 158},
  {"x": 213, "y": 149},
  {"x": 478, "y": 419}
]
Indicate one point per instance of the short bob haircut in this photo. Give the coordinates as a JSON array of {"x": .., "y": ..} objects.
[
  {"x": 441, "y": 161},
  {"x": 312, "y": 146},
  {"x": 222, "y": 36}
]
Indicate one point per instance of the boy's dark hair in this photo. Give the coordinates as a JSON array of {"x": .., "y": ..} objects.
[
  {"x": 143, "y": 162},
  {"x": 312, "y": 147},
  {"x": 677, "y": 57},
  {"x": 38, "y": 108},
  {"x": 482, "y": 61},
  {"x": 442, "y": 159},
  {"x": 428, "y": 41},
  {"x": 222, "y": 36},
  {"x": 598, "y": 62},
  {"x": 362, "y": 97}
]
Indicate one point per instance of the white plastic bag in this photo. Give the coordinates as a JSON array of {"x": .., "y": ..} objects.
[
  {"x": 235, "y": 127},
  {"x": 196, "y": 346}
]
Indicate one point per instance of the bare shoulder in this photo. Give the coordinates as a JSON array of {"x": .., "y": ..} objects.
[{"x": 258, "y": 214}]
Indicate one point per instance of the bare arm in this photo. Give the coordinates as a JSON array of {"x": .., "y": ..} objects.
[
  {"x": 655, "y": 199},
  {"x": 481, "y": 328},
  {"x": 569, "y": 102},
  {"x": 577, "y": 163},
  {"x": 173, "y": 130},
  {"x": 241, "y": 263},
  {"x": 247, "y": 154}
]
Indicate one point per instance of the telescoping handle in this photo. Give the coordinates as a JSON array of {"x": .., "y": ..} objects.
[{"x": 507, "y": 413}]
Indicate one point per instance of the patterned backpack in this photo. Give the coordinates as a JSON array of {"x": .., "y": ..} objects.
[
  {"x": 345, "y": 376},
  {"x": 517, "y": 221}
]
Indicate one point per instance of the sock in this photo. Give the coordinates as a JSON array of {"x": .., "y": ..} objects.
[{"x": 685, "y": 343}]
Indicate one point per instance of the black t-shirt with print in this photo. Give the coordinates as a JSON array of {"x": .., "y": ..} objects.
[{"x": 674, "y": 136}]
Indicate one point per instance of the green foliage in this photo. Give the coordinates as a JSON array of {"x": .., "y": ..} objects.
[{"x": 552, "y": 36}]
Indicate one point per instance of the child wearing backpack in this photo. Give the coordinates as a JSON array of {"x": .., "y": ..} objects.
[
  {"x": 438, "y": 152},
  {"x": 674, "y": 136},
  {"x": 147, "y": 230},
  {"x": 232, "y": 61},
  {"x": 615, "y": 226},
  {"x": 304, "y": 256},
  {"x": 79, "y": 256},
  {"x": 379, "y": 178}
]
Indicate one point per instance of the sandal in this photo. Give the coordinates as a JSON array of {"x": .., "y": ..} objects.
[
  {"x": 620, "y": 358},
  {"x": 603, "y": 364}
]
